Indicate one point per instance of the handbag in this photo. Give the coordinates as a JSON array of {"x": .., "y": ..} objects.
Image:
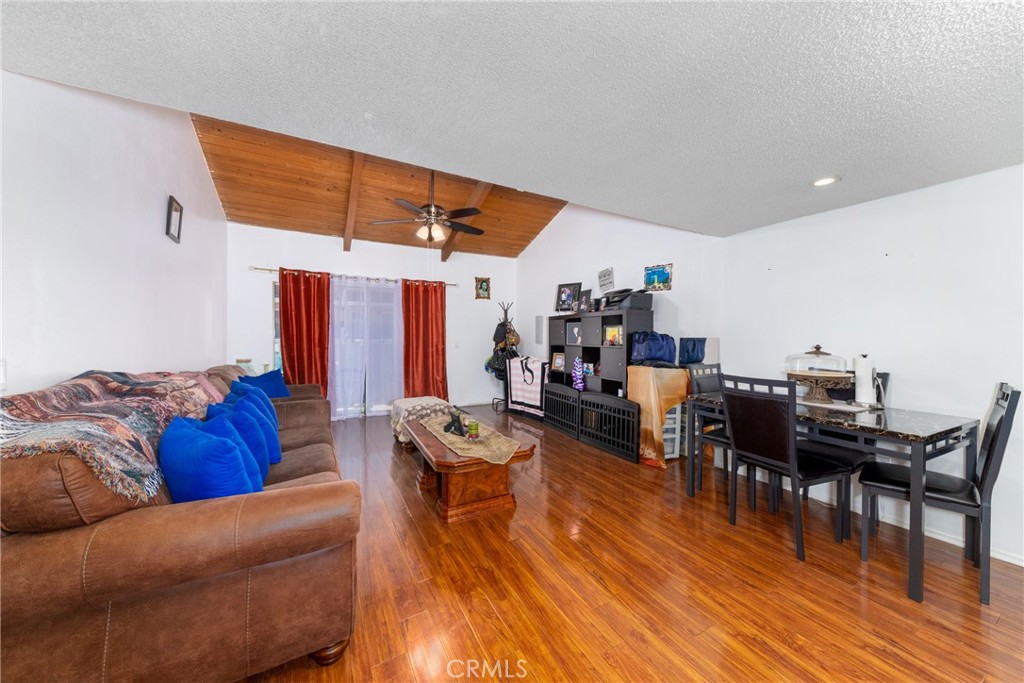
[
  {"x": 691, "y": 350},
  {"x": 639, "y": 352},
  {"x": 651, "y": 346},
  {"x": 661, "y": 347}
]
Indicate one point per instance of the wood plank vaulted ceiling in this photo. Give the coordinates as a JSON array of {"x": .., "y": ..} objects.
[{"x": 278, "y": 181}]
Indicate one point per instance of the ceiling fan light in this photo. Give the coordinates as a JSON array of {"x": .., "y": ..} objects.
[
  {"x": 423, "y": 232},
  {"x": 437, "y": 231}
]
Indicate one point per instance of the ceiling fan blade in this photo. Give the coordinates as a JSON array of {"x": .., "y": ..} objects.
[
  {"x": 397, "y": 220},
  {"x": 464, "y": 213},
  {"x": 462, "y": 227},
  {"x": 405, "y": 204}
]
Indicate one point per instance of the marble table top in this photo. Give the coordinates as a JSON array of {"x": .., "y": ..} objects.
[{"x": 895, "y": 423}]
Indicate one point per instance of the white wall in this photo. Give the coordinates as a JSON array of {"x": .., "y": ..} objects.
[
  {"x": 930, "y": 283},
  {"x": 470, "y": 322},
  {"x": 579, "y": 242},
  {"x": 89, "y": 279}
]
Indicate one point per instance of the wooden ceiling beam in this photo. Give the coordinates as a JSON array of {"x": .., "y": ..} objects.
[
  {"x": 353, "y": 198},
  {"x": 480, "y": 193}
]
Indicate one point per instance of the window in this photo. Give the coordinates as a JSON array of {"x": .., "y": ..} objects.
[{"x": 365, "y": 372}]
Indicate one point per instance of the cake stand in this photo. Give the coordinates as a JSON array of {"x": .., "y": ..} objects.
[{"x": 817, "y": 381}]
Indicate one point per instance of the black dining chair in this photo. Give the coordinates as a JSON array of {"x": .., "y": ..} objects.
[
  {"x": 760, "y": 415},
  {"x": 852, "y": 458},
  {"x": 971, "y": 496},
  {"x": 710, "y": 428}
]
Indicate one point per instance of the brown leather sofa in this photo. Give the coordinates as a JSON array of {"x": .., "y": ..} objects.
[{"x": 212, "y": 590}]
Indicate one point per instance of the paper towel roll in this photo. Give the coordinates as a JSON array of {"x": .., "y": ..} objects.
[{"x": 864, "y": 379}]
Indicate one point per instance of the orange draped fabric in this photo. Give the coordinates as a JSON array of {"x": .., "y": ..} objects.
[
  {"x": 657, "y": 390},
  {"x": 305, "y": 326},
  {"x": 426, "y": 369}
]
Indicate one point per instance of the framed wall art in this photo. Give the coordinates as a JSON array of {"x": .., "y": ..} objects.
[
  {"x": 483, "y": 288},
  {"x": 174, "y": 214},
  {"x": 658, "y": 278}
]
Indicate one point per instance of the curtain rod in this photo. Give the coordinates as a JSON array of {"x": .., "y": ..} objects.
[{"x": 376, "y": 279}]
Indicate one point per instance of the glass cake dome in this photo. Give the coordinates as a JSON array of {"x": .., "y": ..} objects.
[{"x": 815, "y": 360}]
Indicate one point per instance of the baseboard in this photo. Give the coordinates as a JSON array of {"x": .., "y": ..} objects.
[
  {"x": 952, "y": 539},
  {"x": 957, "y": 540}
]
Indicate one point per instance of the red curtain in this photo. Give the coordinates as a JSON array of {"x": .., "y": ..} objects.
[
  {"x": 305, "y": 326},
  {"x": 426, "y": 369}
]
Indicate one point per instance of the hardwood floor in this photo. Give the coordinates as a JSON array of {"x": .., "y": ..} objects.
[{"x": 606, "y": 571}]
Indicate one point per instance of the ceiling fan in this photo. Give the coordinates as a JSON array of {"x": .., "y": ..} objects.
[{"x": 434, "y": 217}]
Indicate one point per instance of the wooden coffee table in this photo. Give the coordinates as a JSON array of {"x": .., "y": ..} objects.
[{"x": 466, "y": 486}]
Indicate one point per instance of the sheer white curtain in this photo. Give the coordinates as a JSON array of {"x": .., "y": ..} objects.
[{"x": 366, "y": 346}]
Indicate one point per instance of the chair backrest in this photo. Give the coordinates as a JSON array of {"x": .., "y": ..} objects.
[
  {"x": 848, "y": 394},
  {"x": 705, "y": 377},
  {"x": 761, "y": 414},
  {"x": 993, "y": 443}
]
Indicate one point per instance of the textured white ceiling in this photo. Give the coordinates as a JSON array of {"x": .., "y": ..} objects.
[{"x": 710, "y": 117}]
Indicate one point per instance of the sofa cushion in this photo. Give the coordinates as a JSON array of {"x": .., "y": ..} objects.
[
  {"x": 298, "y": 437},
  {"x": 53, "y": 491},
  {"x": 228, "y": 373},
  {"x": 307, "y": 480},
  {"x": 198, "y": 465},
  {"x": 271, "y": 383},
  {"x": 303, "y": 412},
  {"x": 301, "y": 462},
  {"x": 241, "y": 389},
  {"x": 219, "y": 384}
]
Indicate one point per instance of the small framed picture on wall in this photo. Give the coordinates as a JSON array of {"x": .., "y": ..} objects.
[
  {"x": 483, "y": 288},
  {"x": 658, "y": 278},
  {"x": 174, "y": 213}
]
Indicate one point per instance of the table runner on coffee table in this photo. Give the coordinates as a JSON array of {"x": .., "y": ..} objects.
[{"x": 493, "y": 447}]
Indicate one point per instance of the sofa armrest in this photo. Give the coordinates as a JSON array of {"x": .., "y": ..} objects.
[
  {"x": 309, "y": 412},
  {"x": 157, "y": 547},
  {"x": 310, "y": 390}
]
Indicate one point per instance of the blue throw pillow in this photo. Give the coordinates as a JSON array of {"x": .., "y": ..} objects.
[
  {"x": 240, "y": 389},
  {"x": 248, "y": 405},
  {"x": 197, "y": 465},
  {"x": 221, "y": 426},
  {"x": 249, "y": 427},
  {"x": 272, "y": 383}
]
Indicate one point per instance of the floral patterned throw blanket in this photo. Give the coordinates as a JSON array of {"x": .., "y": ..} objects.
[{"x": 113, "y": 421}]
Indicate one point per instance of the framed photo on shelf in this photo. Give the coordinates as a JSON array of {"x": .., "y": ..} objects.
[
  {"x": 566, "y": 296},
  {"x": 588, "y": 368},
  {"x": 585, "y": 300},
  {"x": 574, "y": 333},
  {"x": 558, "y": 362},
  {"x": 613, "y": 335}
]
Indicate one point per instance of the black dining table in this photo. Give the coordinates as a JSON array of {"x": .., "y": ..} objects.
[{"x": 909, "y": 435}]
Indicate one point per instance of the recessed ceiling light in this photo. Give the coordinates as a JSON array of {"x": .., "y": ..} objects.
[{"x": 827, "y": 180}]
